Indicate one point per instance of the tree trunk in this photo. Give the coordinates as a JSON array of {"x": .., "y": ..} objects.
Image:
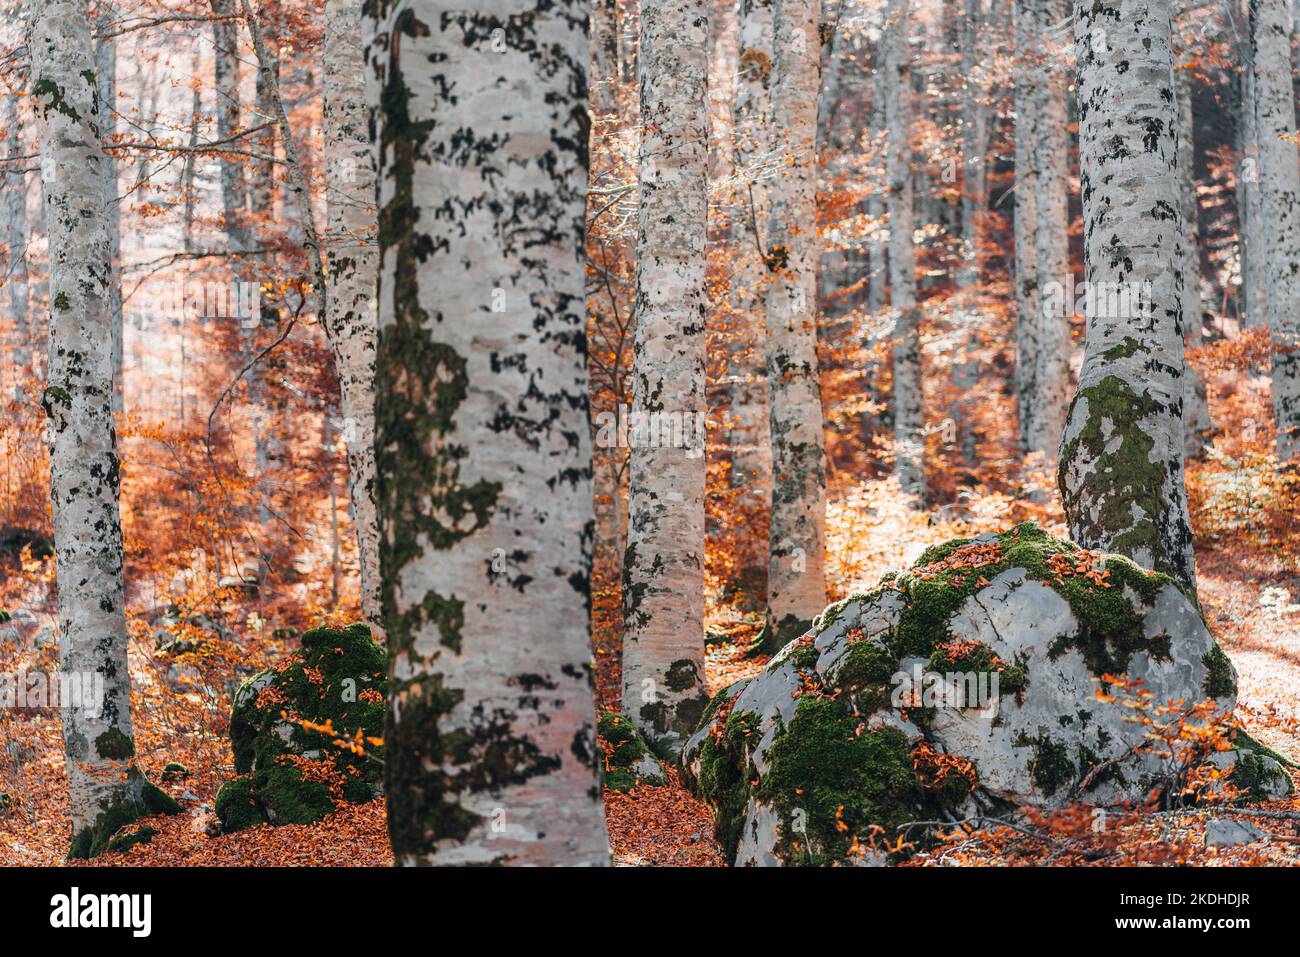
[
  {"x": 604, "y": 56},
  {"x": 483, "y": 442},
  {"x": 352, "y": 263},
  {"x": 105, "y": 787},
  {"x": 796, "y": 590},
  {"x": 909, "y": 412},
  {"x": 1196, "y": 408},
  {"x": 877, "y": 261},
  {"x": 297, "y": 190},
  {"x": 974, "y": 128},
  {"x": 747, "y": 388},
  {"x": 106, "y": 71},
  {"x": 663, "y": 570},
  {"x": 186, "y": 185},
  {"x": 1279, "y": 187},
  {"x": 225, "y": 58},
  {"x": 1121, "y": 462},
  {"x": 1026, "y": 223},
  {"x": 1051, "y": 223},
  {"x": 13, "y": 239},
  {"x": 261, "y": 184},
  {"x": 1254, "y": 252}
]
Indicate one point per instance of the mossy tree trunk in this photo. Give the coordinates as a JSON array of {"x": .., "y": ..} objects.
[
  {"x": 1121, "y": 461},
  {"x": 796, "y": 590},
  {"x": 1026, "y": 227},
  {"x": 909, "y": 408},
  {"x": 1051, "y": 182},
  {"x": 105, "y": 788},
  {"x": 482, "y": 435},
  {"x": 1279, "y": 187},
  {"x": 663, "y": 569},
  {"x": 351, "y": 264}
]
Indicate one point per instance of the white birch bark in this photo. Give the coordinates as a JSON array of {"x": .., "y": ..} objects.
[
  {"x": 1025, "y": 236},
  {"x": 877, "y": 259},
  {"x": 106, "y": 72},
  {"x": 225, "y": 59},
  {"x": 1196, "y": 408},
  {"x": 105, "y": 788},
  {"x": 1279, "y": 187},
  {"x": 604, "y": 55},
  {"x": 796, "y": 590},
  {"x": 974, "y": 128},
  {"x": 1121, "y": 462},
  {"x": 1254, "y": 250},
  {"x": 909, "y": 414},
  {"x": 261, "y": 178},
  {"x": 13, "y": 238},
  {"x": 664, "y": 693},
  {"x": 747, "y": 387},
  {"x": 483, "y": 441},
  {"x": 1051, "y": 223},
  {"x": 351, "y": 265}
]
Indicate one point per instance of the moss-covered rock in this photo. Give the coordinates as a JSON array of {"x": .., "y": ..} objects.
[
  {"x": 628, "y": 759},
  {"x": 985, "y": 676},
  {"x": 305, "y": 734},
  {"x": 236, "y": 805},
  {"x": 129, "y": 837}
]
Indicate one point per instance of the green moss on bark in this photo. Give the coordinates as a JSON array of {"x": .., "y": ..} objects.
[
  {"x": 1122, "y": 501},
  {"x": 136, "y": 799}
]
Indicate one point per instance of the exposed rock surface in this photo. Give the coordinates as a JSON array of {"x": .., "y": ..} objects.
[
  {"x": 1227, "y": 832},
  {"x": 997, "y": 672}
]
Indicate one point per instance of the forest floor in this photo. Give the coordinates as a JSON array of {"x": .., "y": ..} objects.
[{"x": 1249, "y": 584}]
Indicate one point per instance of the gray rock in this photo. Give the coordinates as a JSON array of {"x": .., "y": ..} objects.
[
  {"x": 648, "y": 770},
  {"x": 1008, "y": 614},
  {"x": 1230, "y": 832}
]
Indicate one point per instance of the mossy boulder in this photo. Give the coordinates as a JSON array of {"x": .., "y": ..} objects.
[
  {"x": 628, "y": 759},
  {"x": 988, "y": 676},
  {"x": 305, "y": 733}
]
